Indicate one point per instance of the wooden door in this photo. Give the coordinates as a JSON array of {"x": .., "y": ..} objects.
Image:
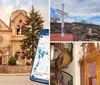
[{"x": 0, "y": 60}]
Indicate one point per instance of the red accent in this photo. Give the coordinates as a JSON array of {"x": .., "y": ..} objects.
[
  {"x": 57, "y": 37},
  {"x": 61, "y": 61}
]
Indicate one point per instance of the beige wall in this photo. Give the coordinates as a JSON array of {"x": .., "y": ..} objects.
[
  {"x": 3, "y": 26},
  {"x": 15, "y": 47},
  {"x": 3, "y": 46},
  {"x": 6, "y": 39}
]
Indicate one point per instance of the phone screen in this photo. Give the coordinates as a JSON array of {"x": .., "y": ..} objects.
[{"x": 41, "y": 66}]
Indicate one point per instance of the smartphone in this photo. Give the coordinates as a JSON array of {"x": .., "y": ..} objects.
[{"x": 41, "y": 66}]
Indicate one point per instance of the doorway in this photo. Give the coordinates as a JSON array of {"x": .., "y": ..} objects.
[
  {"x": 89, "y": 71},
  {"x": 0, "y": 58}
]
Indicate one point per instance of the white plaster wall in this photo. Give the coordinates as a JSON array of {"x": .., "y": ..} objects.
[
  {"x": 77, "y": 55},
  {"x": 74, "y": 68},
  {"x": 71, "y": 70}
]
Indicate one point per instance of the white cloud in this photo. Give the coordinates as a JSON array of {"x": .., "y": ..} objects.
[
  {"x": 8, "y": 6},
  {"x": 78, "y": 7},
  {"x": 84, "y": 9}
]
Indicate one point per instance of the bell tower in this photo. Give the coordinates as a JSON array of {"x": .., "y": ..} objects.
[{"x": 16, "y": 22}]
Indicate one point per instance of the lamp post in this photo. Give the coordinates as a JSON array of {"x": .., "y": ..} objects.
[{"x": 8, "y": 52}]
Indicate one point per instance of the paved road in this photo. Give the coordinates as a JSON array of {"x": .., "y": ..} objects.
[{"x": 17, "y": 80}]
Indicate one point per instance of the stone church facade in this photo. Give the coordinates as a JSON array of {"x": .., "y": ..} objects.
[{"x": 10, "y": 37}]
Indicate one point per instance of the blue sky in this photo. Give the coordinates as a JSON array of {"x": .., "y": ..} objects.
[
  {"x": 78, "y": 10},
  {"x": 8, "y": 6}
]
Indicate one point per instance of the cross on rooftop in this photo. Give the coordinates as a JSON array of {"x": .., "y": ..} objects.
[{"x": 62, "y": 16}]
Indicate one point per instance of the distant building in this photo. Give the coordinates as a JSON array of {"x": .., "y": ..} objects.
[
  {"x": 10, "y": 37},
  {"x": 90, "y": 31}
]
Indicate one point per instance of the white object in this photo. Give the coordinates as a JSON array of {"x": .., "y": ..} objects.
[{"x": 62, "y": 16}]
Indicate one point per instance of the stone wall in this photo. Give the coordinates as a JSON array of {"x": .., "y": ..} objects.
[
  {"x": 2, "y": 69},
  {"x": 15, "y": 69}
]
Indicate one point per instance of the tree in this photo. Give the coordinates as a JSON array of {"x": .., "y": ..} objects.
[
  {"x": 32, "y": 27},
  {"x": 54, "y": 18},
  {"x": 84, "y": 22}
]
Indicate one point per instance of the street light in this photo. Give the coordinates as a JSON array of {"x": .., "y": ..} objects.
[{"x": 7, "y": 53}]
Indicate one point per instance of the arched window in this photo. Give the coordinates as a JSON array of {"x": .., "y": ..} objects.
[
  {"x": 22, "y": 30},
  {"x": 20, "y": 21},
  {"x": 17, "y": 55},
  {"x": 18, "y": 30},
  {"x": 0, "y": 58}
]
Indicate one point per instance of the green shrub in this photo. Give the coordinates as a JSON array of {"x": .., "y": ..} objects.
[
  {"x": 22, "y": 57},
  {"x": 28, "y": 64},
  {"x": 12, "y": 61}
]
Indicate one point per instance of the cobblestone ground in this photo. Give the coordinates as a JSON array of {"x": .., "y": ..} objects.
[{"x": 17, "y": 80}]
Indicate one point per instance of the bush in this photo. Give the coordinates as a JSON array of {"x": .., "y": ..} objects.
[
  {"x": 22, "y": 57},
  {"x": 12, "y": 61},
  {"x": 28, "y": 64}
]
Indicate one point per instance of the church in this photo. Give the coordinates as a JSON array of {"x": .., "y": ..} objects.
[{"x": 10, "y": 37}]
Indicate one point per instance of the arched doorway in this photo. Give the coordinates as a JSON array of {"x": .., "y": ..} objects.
[
  {"x": 90, "y": 65},
  {"x": 0, "y": 58}
]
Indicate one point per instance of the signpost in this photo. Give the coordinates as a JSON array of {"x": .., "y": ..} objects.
[{"x": 62, "y": 16}]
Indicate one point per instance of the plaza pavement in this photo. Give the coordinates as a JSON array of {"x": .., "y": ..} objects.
[
  {"x": 15, "y": 74},
  {"x": 17, "y": 80}
]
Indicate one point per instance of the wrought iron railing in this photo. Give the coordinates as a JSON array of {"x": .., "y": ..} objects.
[{"x": 58, "y": 76}]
